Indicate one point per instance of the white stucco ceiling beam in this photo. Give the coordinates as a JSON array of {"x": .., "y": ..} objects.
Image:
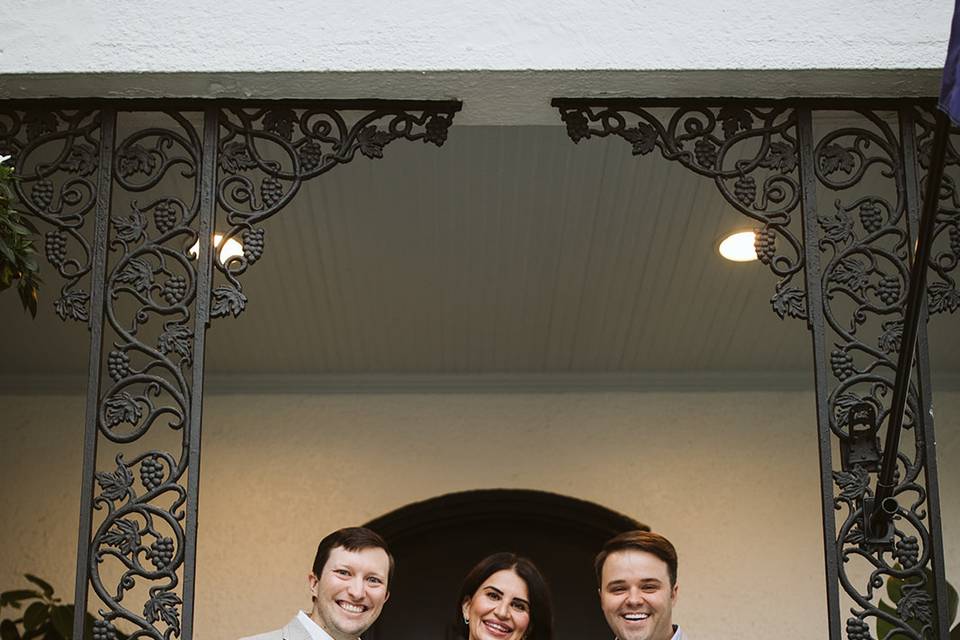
[{"x": 489, "y": 97}]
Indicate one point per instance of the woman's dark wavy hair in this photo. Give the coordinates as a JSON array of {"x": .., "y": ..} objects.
[{"x": 541, "y": 610}]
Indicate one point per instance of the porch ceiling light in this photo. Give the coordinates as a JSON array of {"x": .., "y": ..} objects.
[
  {"x": 230, "y": 249},
  {"x": 738, "y": 247}
]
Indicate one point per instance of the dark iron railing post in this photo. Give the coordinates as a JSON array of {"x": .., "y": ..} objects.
[
  {"x": 816, "y": 323},
  {"x": 208, "y": 203},
  {"x": 921, "y": 352},
  {"x": 108, "y": 122}
]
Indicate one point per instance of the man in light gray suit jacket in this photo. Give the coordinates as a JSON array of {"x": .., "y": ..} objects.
[
  {"x": 637, "y": 580},
  {"x": 349, "y": 585}
]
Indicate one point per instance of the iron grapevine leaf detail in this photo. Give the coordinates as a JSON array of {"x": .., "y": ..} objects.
[
  {"x": 854, "y": 536},
  {"x": 81, "y": 159},
  {"x": 835, "y": 158},
  {"x": 838, "y": 227},
  {"x": 789, "y": 302},
  {"x": 116, "y": 485},
  {"x": 643, "y": 137},
  {"x": 733, "y": 119},
  {"x": 136, "y": 272},
  {"x": 915, "y": 605},
  {"x": 852, "y": 484},
  {"x": 72, "y": 305},
  {"x": 135, "y": 159},
  {"x": 889, "y": 341},
  {"x": 121, "y": 407},
  {"x": 852, "y": 273},
  {"x": 943, "y": 297},
  {"x": 371, "y": 141},
  {"x": 176, "y": 337},
  {"x": 235, "y": 157},
  {"x": 842, "y": 406},
  {"x": 781, "y": 156},
  {"x": 227, "y": 299},
  {"x": 130, "y": 228},
  {"x": 39, "y": 124},
  {"x": 125, "y": 536},
  {"x": 163, "y": 605},
  {"x": 280, "y": 122}
]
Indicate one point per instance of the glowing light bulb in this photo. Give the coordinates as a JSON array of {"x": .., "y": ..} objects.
[
  {"x": 738, "y": 247},
  {"x": 229, "y": 249}
]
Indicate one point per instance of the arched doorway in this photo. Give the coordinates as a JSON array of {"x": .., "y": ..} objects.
[{"x": 437, "y": 541}]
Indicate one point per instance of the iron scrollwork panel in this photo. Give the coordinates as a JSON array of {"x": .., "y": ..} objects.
[
  {"x": 154, "y": 195},
  {"x": 856, "y": 281},
  {"x": 144, "y": 411},
  {"x": 750, "y": 152},
  {"x": 266, "y": 154},
  {"x": 56, "y": 153},
  {"x": 942, "y": 293},
  {"x": 860, "y": 228}
]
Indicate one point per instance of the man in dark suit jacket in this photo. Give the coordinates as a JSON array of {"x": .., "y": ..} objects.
[{"x": 349, "y": 585}]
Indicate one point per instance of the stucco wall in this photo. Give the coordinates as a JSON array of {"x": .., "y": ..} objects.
[
  {"x": 95, "y": 36},
  {"x": 732, "y": 478}
]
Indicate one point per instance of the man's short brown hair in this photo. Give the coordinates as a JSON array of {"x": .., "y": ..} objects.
[
  {"x": 639, "y": 541},
  {"x": 351, "y": 539}
]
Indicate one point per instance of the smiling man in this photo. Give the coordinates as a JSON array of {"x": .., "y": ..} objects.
[
  {"x": 349, "y": 585},
  {"x": 637, "y": 579}
]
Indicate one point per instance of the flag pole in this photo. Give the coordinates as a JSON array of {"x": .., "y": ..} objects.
[{"x": 884, "y": 504}]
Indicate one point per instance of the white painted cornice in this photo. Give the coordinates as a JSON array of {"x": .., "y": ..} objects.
[{"x": 663, "y": 382}]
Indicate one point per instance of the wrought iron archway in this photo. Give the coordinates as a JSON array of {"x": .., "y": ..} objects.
[{"x": 124, "y": 200}]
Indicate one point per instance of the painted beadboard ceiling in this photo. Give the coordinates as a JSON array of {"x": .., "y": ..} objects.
[{"x": 508, "y": 251}]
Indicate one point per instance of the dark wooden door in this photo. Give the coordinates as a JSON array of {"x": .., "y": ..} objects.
[{"x": 436, "y": 542}]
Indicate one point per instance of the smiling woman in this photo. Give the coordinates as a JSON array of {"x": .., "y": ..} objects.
[{"x": 504, "y": 597}]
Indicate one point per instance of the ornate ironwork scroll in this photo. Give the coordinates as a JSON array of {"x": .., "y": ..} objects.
[
  {"x": 153, "y": 177},
  {"x": 267, "y": 152},
  {"x": 851, "y": 178},
  {"x": 749, "y": 150},
  {"x": 57, "y": 154},
  {"x": 141, "y": 467},
  {"x": 860, "y": 206},
  {"x": 942, "y": 293}
]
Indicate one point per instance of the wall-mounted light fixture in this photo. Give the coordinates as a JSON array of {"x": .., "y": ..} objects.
[
  {"x": 738, "y": 247},
  {"x": 231, "y": 248}
]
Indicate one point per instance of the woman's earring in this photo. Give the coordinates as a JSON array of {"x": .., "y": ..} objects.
[{"x": 466, "y": 621}]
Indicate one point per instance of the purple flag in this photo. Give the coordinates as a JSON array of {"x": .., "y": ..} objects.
[{"x": 950, "y": 86}]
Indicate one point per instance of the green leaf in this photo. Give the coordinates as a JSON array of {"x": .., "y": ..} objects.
[
  {"x": 7, "y": 251},
  {"x": 37, "y": 613},
  {"x": 8, "y": 598},
  {"x": 20, "y": 230},
  {"x": 62, "y": 618},
  {"x": 26, "y": 222},
  {"x": 884, "y": 627},
  {"x": 43, "y": 584},
  {"x": 28, "y": 296},
  {"x": 8, "y": 631}
]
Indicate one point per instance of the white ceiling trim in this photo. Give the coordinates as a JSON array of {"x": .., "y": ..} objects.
[
  {"x": 489, "y": 97},
  {"x": 645, "y": 382}
]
